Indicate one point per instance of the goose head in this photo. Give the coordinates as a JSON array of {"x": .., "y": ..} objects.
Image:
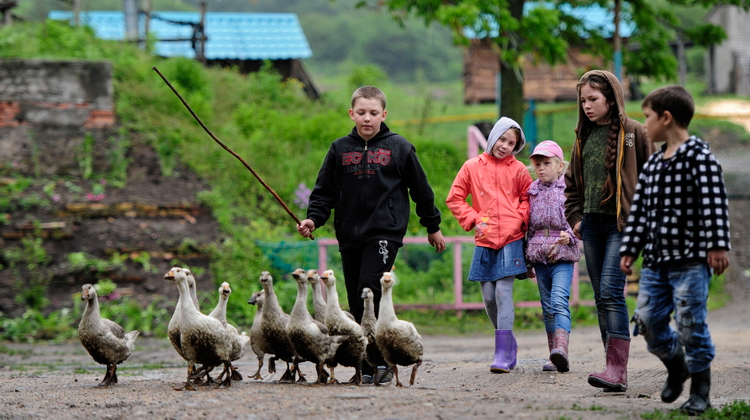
[
  {"x": 367, "y": 293},
  {"x": 300, "y": 276},
  {"x": 225, "y": 290},
  {"x": 265, "y": 279},
  {"x": 88, "y": 292},
  {"x": 177, "y": 274},
  {"x": 257, "y": 298},
  {"x": 313, "y": 277},
  {"x": 328, "y": 278},
  {"x": 387, "y": 280}
]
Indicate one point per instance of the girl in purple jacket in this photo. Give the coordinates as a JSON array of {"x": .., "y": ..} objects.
[{"x": 552, "y": 249}]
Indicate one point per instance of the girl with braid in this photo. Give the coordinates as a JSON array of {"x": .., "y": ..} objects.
[{"x": 608, "y": 155}]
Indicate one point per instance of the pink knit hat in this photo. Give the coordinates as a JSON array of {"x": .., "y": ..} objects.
[{"x": 548, "y": 148}]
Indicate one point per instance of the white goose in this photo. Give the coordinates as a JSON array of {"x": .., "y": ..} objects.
[
  {"x": 373, "y": 356},
  {"x": 203, "y": 339},
  {"x": 103, "y": 339},
  {"x": 352, "y": 351},
  {"x": 173, "y": 330},
  {"x": 257, "y": 343},
  {"x": 319, "y": 302},
  {"x": 398, "y": 340},
  {"x": 273, "y": 328},
  {"x": 308, "y": 336},
  {"x": 220, "y": 313}
]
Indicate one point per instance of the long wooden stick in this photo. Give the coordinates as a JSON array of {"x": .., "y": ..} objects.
[{"x": 296, "y": 219}]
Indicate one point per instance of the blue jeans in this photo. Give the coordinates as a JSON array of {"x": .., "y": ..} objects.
[
  {"x": 601, "y": 247},
  {"x": 682, "y": 289},
  {"x": 554, "y": 281}
]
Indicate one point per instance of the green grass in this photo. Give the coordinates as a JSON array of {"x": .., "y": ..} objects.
[{"x": 736, "y": 410}]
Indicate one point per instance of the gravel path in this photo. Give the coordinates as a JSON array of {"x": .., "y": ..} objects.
[{"x": 58, "y": 381}]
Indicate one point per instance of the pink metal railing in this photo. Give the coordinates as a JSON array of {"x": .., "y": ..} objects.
[{"x": 458, "y": 300}]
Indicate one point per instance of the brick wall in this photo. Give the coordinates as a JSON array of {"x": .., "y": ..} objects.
[{"x": 46, "y": 110}]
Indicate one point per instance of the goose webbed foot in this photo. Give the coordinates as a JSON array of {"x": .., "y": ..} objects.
[
  {"x": 296, "y": 371},
  {"x": 288, "y": 376},
  {"x": 235, "y": 374},
  {"x": 187, "y": 387},
  {"x": 357, "y": 378},
  {"x": 256, "y": 375},
  {"x": 322, "y": 375},
  {"x": 227, "y": 382},
  {"x": 333, "y": 379},
  {"x": 110, "y": 377},
  {"x": 190, "y": 378}
]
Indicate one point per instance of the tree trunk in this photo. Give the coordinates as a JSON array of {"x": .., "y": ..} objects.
[
  {"x": 512, "y": 103},
  {"x": 511, "y": 85}
]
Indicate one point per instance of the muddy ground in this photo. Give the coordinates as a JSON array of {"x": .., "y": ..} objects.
[{"x": 59, "y": 382}]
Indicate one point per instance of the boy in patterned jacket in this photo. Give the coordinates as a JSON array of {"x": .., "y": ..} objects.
[{"x": 680, "y": 220}]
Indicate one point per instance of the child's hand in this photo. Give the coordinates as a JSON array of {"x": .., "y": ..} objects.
[
  {"x": 718, "y": 260},
  {"x": 626, "y": 261},
  {"x": 436, "y": 240},
  {"x": 306, "y": 228},
  {"x": 530, "y": 273},
  {"x": 577, "y": 230},
  {"x": 564, "y": 238}
]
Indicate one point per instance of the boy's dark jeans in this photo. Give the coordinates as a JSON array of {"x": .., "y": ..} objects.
[{"x": 681, "y": 289}]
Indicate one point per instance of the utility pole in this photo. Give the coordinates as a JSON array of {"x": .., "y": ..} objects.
[
  {"x": 617, "y": 41},
  {"x": 77, "y": 12},
  {"x": 130, "y": 8}
]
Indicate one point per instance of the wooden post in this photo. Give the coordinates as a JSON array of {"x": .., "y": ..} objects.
[
  {"x": 201, "y": 51},
  {"x": 617, "y": 42},
  {"x": 77, "y": 12}
]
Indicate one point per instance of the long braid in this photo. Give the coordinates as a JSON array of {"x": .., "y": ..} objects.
[{"x": 610, "y": 158}]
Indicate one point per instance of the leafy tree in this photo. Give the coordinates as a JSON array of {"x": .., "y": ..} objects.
[{"x": 543, "y": 31}]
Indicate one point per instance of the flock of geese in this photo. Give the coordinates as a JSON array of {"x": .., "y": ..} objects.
[{"x": 328, "y": 338}]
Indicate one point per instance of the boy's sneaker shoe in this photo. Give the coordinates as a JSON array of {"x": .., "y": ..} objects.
[
  {"x": 386, "y": 378},
  {"x": 366, "y": 379}
]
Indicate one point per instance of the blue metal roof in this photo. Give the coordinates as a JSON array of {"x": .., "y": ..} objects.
[
  {"x": 593, "y": 17},
  {"x": 238, "y": 36}
]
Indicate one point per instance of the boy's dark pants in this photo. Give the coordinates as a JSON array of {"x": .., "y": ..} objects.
[
  {"x": 363, "y": 267},
  {"x": 681, "y": 289}
]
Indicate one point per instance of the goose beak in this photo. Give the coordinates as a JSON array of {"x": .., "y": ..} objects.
[{"x": 169, "y": 275}]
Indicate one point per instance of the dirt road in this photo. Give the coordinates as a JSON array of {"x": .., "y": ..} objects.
[{"x": 58, "y": 382}]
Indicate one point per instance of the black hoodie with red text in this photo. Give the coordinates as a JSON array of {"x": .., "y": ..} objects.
[{"x": 369, "y": 183}]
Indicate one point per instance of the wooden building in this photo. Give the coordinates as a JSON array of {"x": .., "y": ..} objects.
[
  {"x": 542, "y": 82},
  {"x": 242, "y": 40},
  {"x": 728, "y": 68}
]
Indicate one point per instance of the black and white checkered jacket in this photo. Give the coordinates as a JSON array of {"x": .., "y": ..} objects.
[{"x": 680, "y": 209}]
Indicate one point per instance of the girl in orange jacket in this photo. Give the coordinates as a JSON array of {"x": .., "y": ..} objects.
[{"x": 497, "y": 183}]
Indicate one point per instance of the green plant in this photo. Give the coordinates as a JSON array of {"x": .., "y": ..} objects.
[
  {"x": 105, "y": 287},
  {"x": 736, "y": 410},
  {"x": 118, "y": 158},
  {"x": 29, "y": 270},
  {"x": 367, "y": 75},
  {"x": 86, "y": 156},
  {"x": 34, "y": 325},
  {"x": 144, "y": 258},
  {"x": 80, "y": 261}
]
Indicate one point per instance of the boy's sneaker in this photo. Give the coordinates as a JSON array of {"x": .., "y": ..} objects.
[
  {"x": 366, "y": 379},
  {"x": 384, "y": 378}
]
